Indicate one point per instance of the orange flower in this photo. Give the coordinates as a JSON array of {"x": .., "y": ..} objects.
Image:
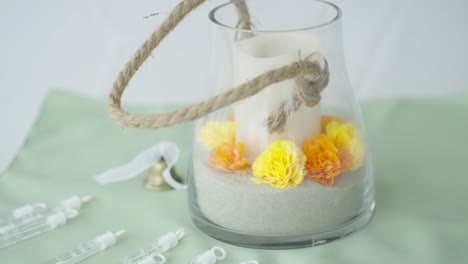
[
  {"x": 229, "y": 157},
  {"x": 346, "y": 159},
  {"x": 323, "y": 161}
]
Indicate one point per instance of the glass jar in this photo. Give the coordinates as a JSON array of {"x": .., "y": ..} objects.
[{"x": 271, "y": 171}]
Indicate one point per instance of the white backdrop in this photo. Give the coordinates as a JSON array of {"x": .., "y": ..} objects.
[{"x": 393, "y": 48}]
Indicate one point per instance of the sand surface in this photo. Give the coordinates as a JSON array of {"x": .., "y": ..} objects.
[{"x": 235, "y": 202}]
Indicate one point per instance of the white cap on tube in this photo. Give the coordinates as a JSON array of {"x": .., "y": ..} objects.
[
  {"x": 153, "y": 259},
  {"x": 57, "y": 219},
  {"x": 74, "y": 202},
  {"x": 210, "y": 256},
  {"x": 108, "y": 239}
]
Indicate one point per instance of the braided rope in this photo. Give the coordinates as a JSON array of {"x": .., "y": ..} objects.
[{"x": 305, "y": 68}]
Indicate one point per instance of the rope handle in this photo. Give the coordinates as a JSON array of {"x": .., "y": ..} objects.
[{"x": 316, "y": 75}]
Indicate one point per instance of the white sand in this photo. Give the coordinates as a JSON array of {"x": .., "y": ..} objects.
[{"x": 235, "y": 202}]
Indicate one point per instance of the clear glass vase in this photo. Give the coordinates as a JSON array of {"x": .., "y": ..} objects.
[{"x": 305, "y": 183}]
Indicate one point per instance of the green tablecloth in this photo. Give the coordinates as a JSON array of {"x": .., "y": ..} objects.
[{"x": 420, "y": 152}]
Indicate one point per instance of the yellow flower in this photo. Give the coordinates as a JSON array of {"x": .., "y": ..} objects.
[
  {"x": 229, "y": 157},
  {"x": 323, "y": 161},
  {"x": 327, "y": 119},
  {"x": 281, "y": 165},
  {"x": 347, "y": 139},
  {"x": 356, "y": 150},
  {"x": 340, "y": 133},
  {"x": 215, "y": 133}
]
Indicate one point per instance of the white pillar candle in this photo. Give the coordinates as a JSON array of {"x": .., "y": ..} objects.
[{"x": 255, "y": 56}]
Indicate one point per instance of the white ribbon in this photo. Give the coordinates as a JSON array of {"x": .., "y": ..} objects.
[{"x": 167, "y": 150}]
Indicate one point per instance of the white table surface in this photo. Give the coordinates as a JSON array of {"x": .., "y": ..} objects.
[{"x": 393, "y": 48}]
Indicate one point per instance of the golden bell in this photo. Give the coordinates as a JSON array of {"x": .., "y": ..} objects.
[{"x": 155, "y": 181}]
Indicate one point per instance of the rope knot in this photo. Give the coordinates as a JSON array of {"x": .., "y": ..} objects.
[{"x": 313, "y": 80}]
